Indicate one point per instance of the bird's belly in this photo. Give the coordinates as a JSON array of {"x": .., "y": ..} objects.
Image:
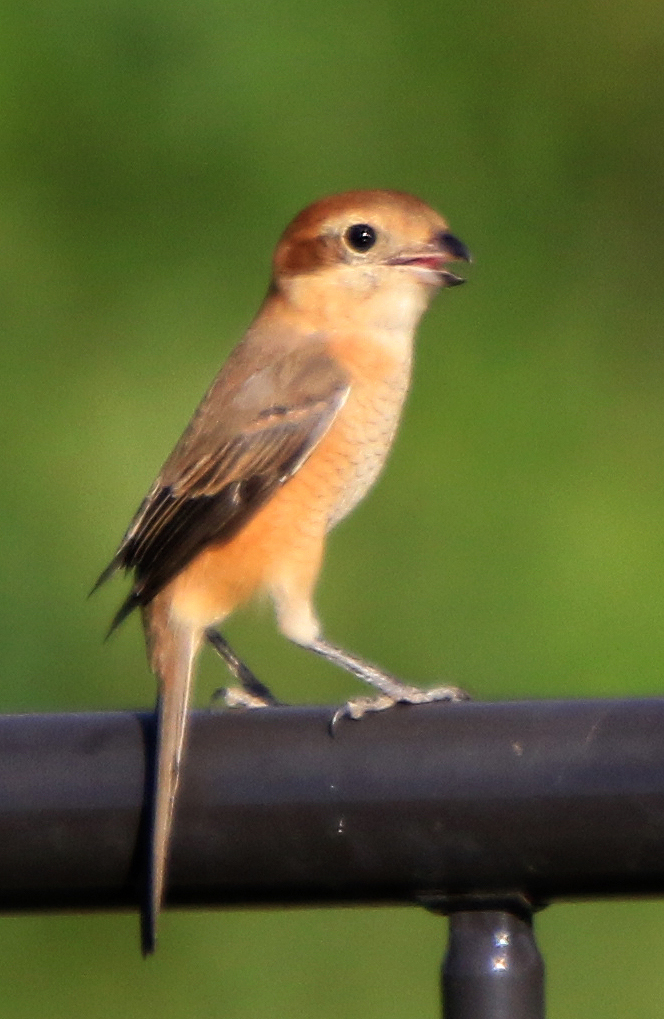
[
  {"x": 286, "y": 536},
  {"x": 353, "y": 453}
]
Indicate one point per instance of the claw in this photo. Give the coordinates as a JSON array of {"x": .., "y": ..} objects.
[
  {"x": 357, "y": 707},
  {"x": 236, "y": 697}
]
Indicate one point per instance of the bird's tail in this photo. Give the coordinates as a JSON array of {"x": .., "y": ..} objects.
[{"x": 173, "y": 648}]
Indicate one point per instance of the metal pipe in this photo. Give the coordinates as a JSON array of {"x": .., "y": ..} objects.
[
  {"x": 493, "y": 969},
  {"x": 544, "y": 800}
]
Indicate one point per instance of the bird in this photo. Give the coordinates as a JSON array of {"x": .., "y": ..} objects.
[{"x": 290, "y": 436}]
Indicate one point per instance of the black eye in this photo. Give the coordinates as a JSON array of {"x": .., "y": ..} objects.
[{"x": 360, "y": 236}]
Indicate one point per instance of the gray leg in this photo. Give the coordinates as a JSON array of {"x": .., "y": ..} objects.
[
  {"x": 253, "y": 694},
  {"x": 392, "y": 690}
]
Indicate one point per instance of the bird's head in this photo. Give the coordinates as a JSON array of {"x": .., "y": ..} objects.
[{"x": 373, "y": 246}]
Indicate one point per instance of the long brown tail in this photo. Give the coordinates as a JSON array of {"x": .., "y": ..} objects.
[{"x": 173, "y": 649}]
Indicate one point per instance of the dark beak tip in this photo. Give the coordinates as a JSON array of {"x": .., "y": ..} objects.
[{"x": 454, "y": 247}]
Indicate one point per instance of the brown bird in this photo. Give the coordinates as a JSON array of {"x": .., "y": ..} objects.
[{"x": 290, "y": 436}]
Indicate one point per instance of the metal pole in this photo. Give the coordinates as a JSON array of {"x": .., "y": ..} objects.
[
  {"x": 546, "y": 800},
  {"x": 492, "y": 969}
]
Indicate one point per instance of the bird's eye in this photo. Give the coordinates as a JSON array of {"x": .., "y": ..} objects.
[{"x": 360, "y": 236}]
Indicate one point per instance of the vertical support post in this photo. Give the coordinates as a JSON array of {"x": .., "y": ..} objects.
[{"x": 493, "y": 968}]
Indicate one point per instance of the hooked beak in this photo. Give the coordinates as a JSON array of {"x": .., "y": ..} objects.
[
  {"x": 458, "y": 252},
  {"x": 447, "y": 248},
  {"x": 455, "y": 248}
]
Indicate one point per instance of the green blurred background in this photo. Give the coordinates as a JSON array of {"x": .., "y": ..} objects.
[{"x": 150, "y": 154}]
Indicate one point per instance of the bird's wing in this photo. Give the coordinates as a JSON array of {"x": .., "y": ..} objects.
[{"x": 249, "y": 435}]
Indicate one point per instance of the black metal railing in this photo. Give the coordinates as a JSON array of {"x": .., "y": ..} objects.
[{"x": 483, "y": 812}]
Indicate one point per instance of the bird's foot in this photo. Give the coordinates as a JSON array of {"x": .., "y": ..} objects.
[
  {"x": 401, "y": 693},
  {"x": 253, "y": 693},
  {"x": 238, "y": 697}
]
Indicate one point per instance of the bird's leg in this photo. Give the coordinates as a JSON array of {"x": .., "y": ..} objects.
[
  {"x": 392, "y": 690},
  {"x": 253, "y": 693}
]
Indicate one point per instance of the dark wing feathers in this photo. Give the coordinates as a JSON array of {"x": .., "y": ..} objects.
[{"x": 214, "y": 482}]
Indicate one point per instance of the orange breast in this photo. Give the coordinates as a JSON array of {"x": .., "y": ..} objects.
[{"x": 285, "y": 538}]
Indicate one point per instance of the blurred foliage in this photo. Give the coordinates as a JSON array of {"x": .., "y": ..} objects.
[{"x": 150, "y": 155}]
